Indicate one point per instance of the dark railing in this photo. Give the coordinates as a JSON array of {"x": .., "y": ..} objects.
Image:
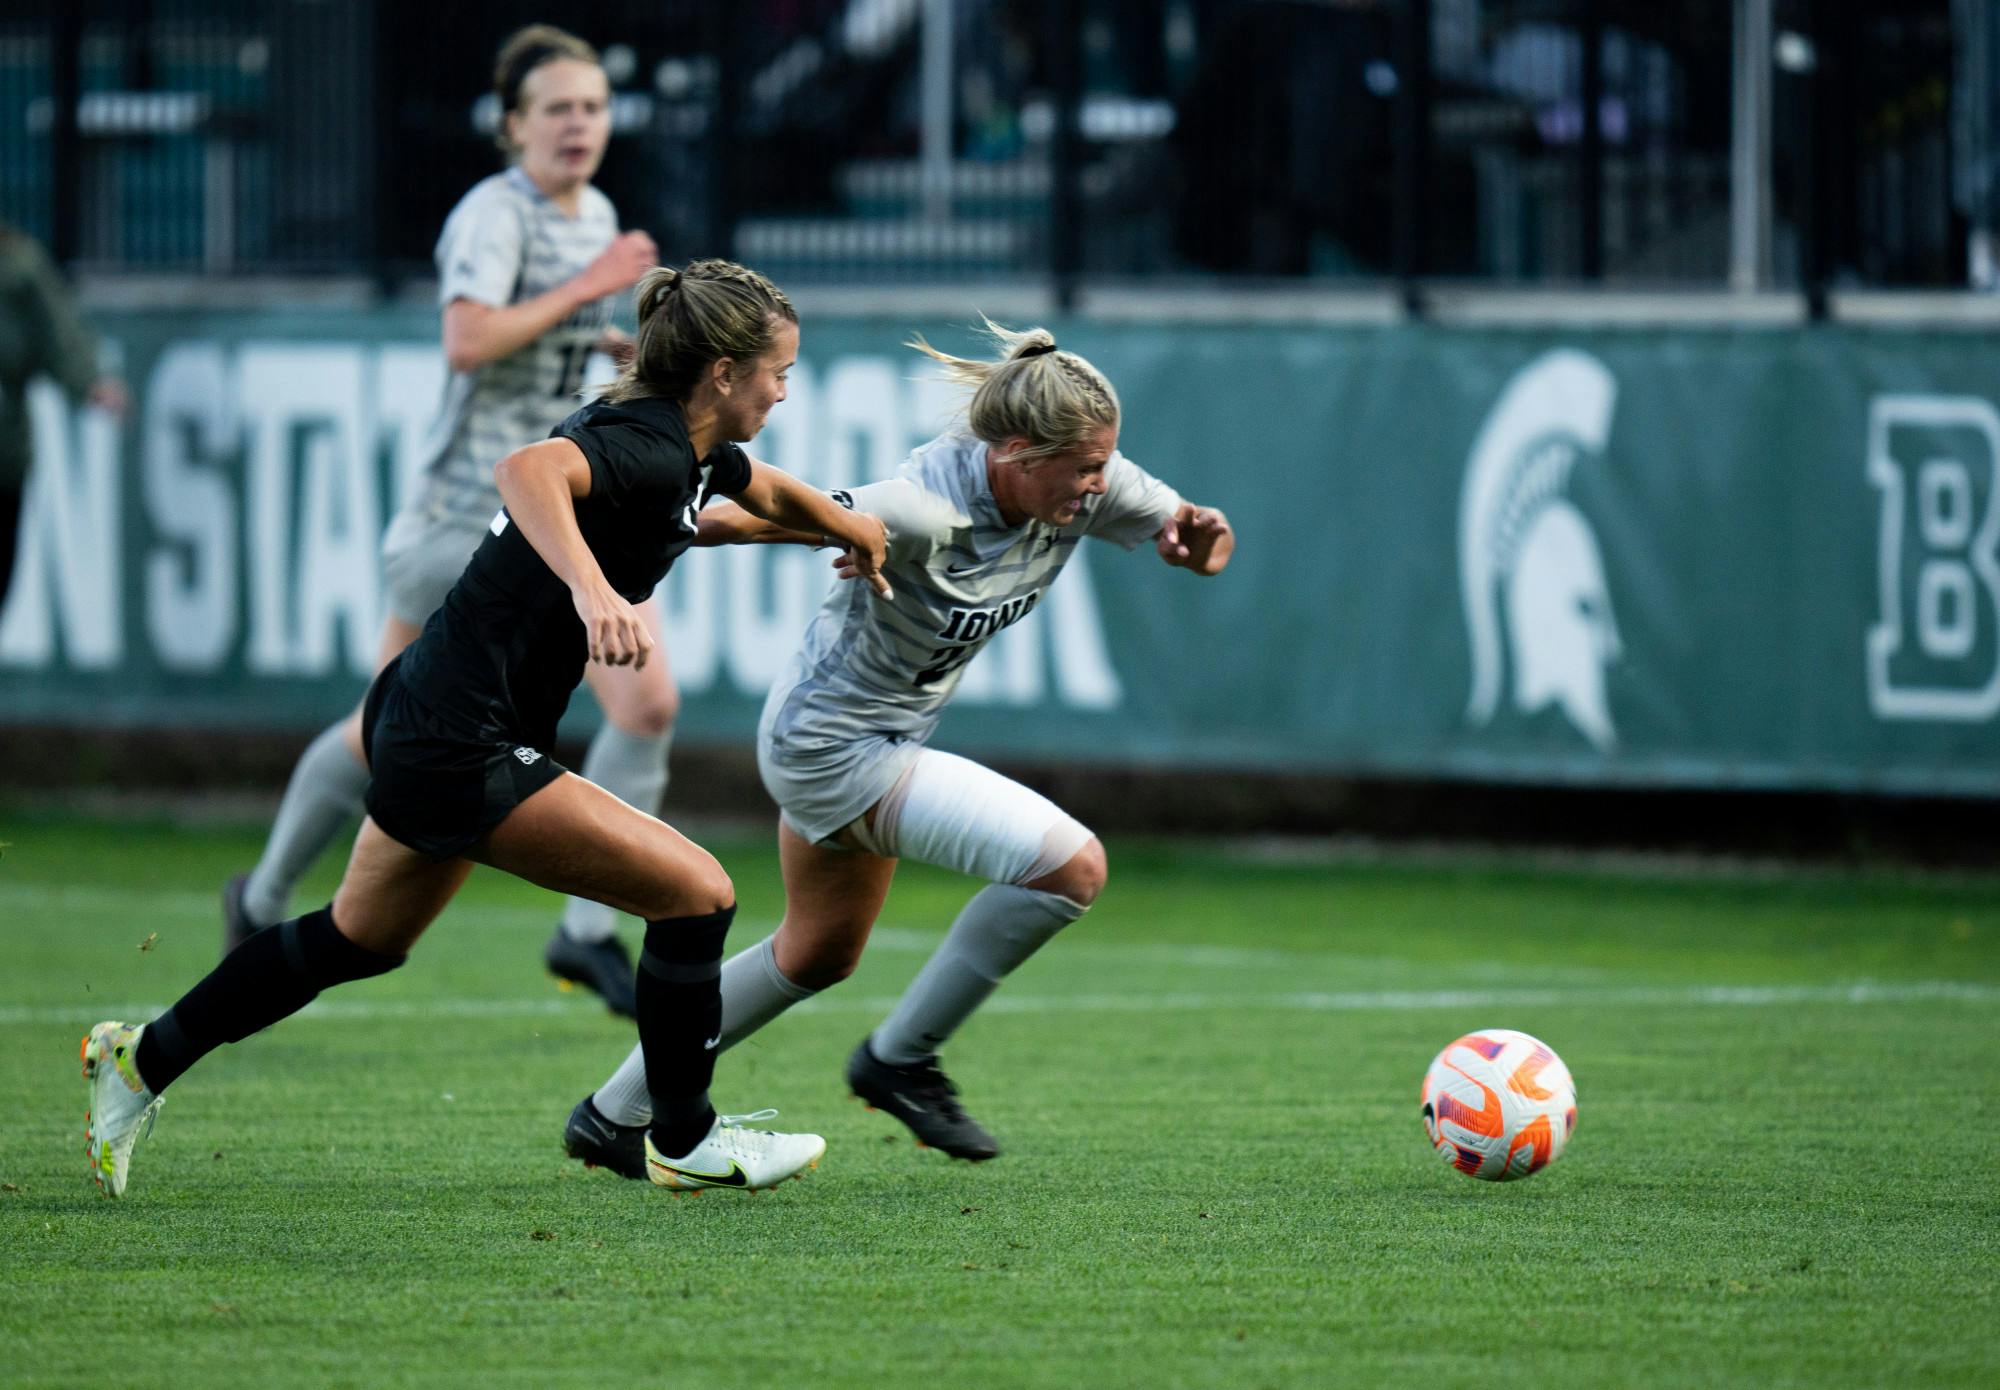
[{"x": 879, "y": 141}]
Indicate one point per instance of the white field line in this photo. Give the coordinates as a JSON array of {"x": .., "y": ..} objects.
[
  {"x": 69, "y": 897},
  {"x": 1348, "y": 1001},
  {"x": 146, "y": 909}
]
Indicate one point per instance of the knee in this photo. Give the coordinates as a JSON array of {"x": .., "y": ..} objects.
[
  {"x": 1082, "y": 878},
  {"x": 713, "y": 892},
  {"x": 652, "y": 715},
  {"x": 823, "y": 970},
  {"x": 821, "y": 964},
  {"x": 701, "y": 890}
]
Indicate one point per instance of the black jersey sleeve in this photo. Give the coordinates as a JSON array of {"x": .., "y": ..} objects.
[{"x": 728, "y": 471}]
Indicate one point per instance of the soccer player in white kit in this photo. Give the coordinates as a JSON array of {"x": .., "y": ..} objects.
[
  {"x": 980, "y": 523},
  {"x": 530, "y": 265}
]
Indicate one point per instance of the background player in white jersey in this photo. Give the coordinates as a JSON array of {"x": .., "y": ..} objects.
[
  {"x": 980, "y": 523},
  {"x": 530, "y": 265}
]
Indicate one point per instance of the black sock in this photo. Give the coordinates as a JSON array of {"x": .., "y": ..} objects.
[
  {"x": 680, "y": 1023},
  {"x": 272, "y": 975}
]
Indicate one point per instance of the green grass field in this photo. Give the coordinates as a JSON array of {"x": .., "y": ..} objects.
[{"x": 1215, "y": 1173}]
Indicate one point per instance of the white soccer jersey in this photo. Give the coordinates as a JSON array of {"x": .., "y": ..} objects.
[
  {"x": 506, "y": 242},
  {"x": 872, "y": 676}
]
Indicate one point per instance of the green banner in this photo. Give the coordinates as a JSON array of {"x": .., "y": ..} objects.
[{"x": 1750, "y": 558}]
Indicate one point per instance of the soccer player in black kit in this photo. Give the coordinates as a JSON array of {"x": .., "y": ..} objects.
[{"x": 458, "y": 731}]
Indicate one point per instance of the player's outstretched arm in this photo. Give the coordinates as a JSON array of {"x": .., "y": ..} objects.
[
  {"x": 540, "y": 485},
  {"x": 784, "y": 500},
  {"x": 475, "y": 333},
  {"x": 725, "y": 523},
  {"x": 1196, "y": 538}
]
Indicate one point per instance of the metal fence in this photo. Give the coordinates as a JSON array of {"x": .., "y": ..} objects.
[{"x": 881, "y": 141}]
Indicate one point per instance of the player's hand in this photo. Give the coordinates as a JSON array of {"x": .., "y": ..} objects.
[
  {"x": 1196, "y": 538},
  {"x": 109, "y": 393},
  {"x": 617, "y": 635},
  {"x": 619, "y": 265},
  {"x": 618, "y": 345},
  {"x": 867, "y": 551}
]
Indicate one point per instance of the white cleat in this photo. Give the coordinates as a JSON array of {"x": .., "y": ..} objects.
[
  {"x": 121, "y": 1108},
  {"x": 734, "y": 1156}
]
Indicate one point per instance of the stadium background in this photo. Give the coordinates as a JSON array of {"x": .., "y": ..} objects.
[{"x": 1603, "y": 391}]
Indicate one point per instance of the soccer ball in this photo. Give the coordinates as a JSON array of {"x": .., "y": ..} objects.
[{"x": 1499, "y": 1105}]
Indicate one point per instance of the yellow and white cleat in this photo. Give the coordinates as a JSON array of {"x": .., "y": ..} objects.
[
  {"x": 121, "y": 1108},
  {"x": 734, "y": 1155}
]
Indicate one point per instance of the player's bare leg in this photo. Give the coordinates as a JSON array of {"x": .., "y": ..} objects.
[
  {"x": 831, "y": 901},
  {"x": 1042, "y": 868},
  {"x": 389, "y": 895},
  {"x": 574, "y": 837},
  {"x": 833, "y": 895}
]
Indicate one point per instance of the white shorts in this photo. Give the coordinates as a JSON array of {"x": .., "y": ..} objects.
[
  {"x": 956, "y": 814},
  {"x": 422, "y": 557},
  {"x": 826, "y": 785}
]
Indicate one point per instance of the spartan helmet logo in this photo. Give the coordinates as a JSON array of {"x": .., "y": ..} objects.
[{"x": 1526, "y": 554}]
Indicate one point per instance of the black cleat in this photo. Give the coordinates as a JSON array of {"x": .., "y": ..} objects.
[
  {"x": 923, "y": 1098},
  {"x": 602, "y": 966},
  {"x": 602, "y": 1144},
  {"x": 237, "y": 927}
]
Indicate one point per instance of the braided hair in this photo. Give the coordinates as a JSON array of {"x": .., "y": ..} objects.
[
  {"x": 689, "y": 318},
  {"x": 1034, "y": 391}
]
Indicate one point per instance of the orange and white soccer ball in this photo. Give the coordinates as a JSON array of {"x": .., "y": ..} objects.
[{"x": 1499, "y": 1105}]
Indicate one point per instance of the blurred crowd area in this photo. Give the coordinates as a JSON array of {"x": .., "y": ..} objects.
[{"x": 1535, "y": 142}]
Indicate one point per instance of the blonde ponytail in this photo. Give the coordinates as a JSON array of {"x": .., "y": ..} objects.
[{"x": 1034, "y": 391}]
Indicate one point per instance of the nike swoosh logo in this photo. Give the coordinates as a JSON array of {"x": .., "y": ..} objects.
[
  {"x": 710, "y": 1044},
  {"x": 735, "y": 1177}
]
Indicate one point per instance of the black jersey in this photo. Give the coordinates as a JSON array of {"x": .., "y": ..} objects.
[{"x": 501, "y": 657}]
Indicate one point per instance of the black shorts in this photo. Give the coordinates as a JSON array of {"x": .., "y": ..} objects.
[{"x": 432, "y": 787}]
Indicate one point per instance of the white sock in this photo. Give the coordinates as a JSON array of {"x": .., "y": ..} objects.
[
  {"x": 624, "y": 1099},
  {"x": 754, "y": 991},
  {"x": 323, "y": 795},
  {"x": 634, "y": 770},
  {"x": 1002, "y": 926}
]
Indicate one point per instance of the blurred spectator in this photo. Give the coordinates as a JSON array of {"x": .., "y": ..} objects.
[
  {"x": 1282, "y": 143},
  {"x": 41, "y": 333},
  {"x": 1975, "y": 129}
]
